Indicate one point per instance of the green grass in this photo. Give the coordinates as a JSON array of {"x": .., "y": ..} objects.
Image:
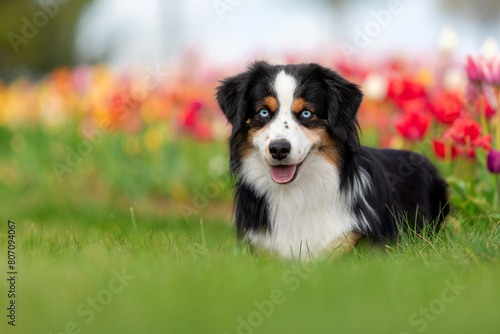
[{"x": 192, "y": 277}]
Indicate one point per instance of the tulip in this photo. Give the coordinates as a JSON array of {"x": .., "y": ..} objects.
[
  {"x": 466, "y": 134},
  {"x": 490, "y": 95},
  {"x": 406, "y": 90},
  {"x": 447, "y": 107},
  {"x": 483, "y": 142},
  {"x": 493, "y": 161},
  {"x": 444, "y": 151},
  {"x": 463, "y": 131},
  {"x": 414, "y": 125},
  {"x": 493, "y": 74},
  {"x": 191, "y": 121},
  {"x": 475, "y": 68},
  {"x": 488, "y": 110},
  {"x": 190, "y": 114}
]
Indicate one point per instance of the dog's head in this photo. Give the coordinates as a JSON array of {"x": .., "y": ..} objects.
[{"x": 283, "y": 116}]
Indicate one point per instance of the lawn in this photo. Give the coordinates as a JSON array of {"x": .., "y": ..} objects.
[{"x": 87, "y": 263}]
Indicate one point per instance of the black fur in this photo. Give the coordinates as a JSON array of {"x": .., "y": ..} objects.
[{"x": 405, "y": 184}]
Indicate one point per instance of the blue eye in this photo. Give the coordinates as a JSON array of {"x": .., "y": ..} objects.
[
  {"x": 306, "y": 114},
  {"x": 264, "y": 113}
]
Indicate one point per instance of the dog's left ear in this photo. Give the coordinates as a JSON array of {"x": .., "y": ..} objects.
[
  {"x": 231, "y": 99},
  {"x": 343, "y": 100}
]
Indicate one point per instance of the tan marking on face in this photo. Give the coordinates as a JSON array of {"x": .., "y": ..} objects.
[
  {"x": 246, "y": 147},
  {"x": 313, "y": 135},
  {"x": 253, "y": 133},
  {"x": 271, "y": 103},
  {"x": 330, "y": 149},
  {"x": 299, "y": 105},
  {"x": 327, "y": 146}
]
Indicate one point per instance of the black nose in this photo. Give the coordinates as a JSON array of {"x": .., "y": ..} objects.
[{"x": 280, "y": 149}]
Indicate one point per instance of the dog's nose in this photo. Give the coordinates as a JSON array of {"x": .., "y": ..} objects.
[{"x": 280, "y": 149}]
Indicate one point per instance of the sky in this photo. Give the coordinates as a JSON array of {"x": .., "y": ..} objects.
[{"x": 124, "y": 32}]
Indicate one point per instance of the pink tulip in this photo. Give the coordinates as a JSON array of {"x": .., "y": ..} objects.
[
  {"x": 493, "y": 74},
  {"x": 475, "y": 68}
]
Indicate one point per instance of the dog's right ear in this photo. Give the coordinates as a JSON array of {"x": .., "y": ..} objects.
[{"x": 231, "y": 98}]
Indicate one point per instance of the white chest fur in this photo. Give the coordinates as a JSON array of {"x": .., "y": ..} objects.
[{"x": 308, "y": 216}]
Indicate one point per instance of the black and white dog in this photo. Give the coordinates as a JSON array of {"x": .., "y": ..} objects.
[{"x": 304, "y": 183}]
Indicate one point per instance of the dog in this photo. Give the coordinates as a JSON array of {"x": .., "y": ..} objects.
[{"x": 304, "y": 184}]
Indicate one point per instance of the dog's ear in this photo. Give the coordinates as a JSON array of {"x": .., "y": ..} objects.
[
  {"x": 343, "y": 100},
  {"x": 232, "y": 94},
  {"x": 231, "y": 98}
]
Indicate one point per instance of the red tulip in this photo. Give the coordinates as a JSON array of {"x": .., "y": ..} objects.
[
  {"x": 190, "y": 115},
  {"x": 404, "y": 90},
  {"x": 470, "y": 153},
  {"x": 463, "y": 131},
  {"x": 466, "y": 134},
  {"x": 483, "y": 142},
  {"x": 414, "y": 125},
  {"x": 191, "y": 120},
  {"x": 443, "y": 151},
  {"x": 488, "y": 110},
  {"x": 416, "y": 105},
  {"x": 447, "y": 107}
]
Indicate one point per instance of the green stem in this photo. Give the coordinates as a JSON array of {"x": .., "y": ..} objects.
[
  {"x": 482, "y": 112},
  {"x": 448, "y": 156},
  {"x": 469, "y": 168},
  {"x": 497, "y": 179}
]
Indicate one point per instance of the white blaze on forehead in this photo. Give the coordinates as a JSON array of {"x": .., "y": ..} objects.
[
  {"x": 285, "y": 86},
  {"x": 285, "y": 124}
]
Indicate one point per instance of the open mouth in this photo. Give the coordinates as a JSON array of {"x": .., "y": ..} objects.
[{"x": 283, "y": 174}]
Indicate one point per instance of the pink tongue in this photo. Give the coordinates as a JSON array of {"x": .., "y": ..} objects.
[{"x": 283, "y": 174}]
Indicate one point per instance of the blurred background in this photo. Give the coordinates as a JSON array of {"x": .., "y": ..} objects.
[
  {"x": 108, "y": 102},
  {"x": 108, "y": 105},
  {"x": 221, "y": 32}
]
